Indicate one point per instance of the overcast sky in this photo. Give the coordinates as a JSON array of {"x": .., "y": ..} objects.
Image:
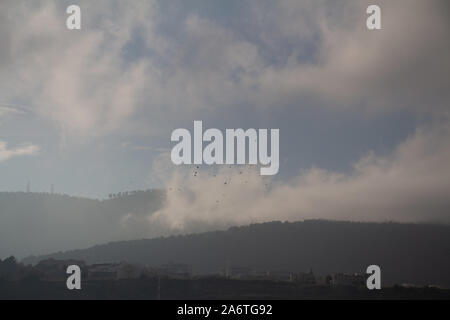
[{"x": 363, "y": 115}]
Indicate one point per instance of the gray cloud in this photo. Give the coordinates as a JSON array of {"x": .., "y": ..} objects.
[
  {"x": 85, "y": 82},
  {"x": 76, "y": 79},
  {"x": 404, "y": 65}
]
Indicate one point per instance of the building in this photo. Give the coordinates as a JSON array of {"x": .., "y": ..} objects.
[
  {"x": 56, "y": 270},
  {"x": 177, "y": 270},
  {"x": 280, "y": 276},
  {"x": 345, "y": 279},
  {"x": 103, "y": 271},
  {"x": 236, "y": 272},
  {"x": 129, "y": 271},
  {"x": 305, "y": 278}
]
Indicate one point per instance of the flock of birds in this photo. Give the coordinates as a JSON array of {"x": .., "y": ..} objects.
[{"x": 196, "y": 172}]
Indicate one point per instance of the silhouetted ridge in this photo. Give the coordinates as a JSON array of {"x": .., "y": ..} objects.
[{"x": 407, "y": 253}]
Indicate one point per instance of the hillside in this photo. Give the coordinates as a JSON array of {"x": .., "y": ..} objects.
[
  {"x": 53, "y": 222},
  {"x": 407, "y": 253}
]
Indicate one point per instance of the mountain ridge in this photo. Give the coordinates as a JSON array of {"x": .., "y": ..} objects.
[
  {"x": 407, "y": 253},
  {"x": 51, "y": 222}
]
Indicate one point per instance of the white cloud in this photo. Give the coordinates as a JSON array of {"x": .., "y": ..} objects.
[
  {"x": 77, "y": 79},
  {"x": 8, "y": 110},
  {"x": 7, "y": 153},
  {"x": 410, "y": 185}
]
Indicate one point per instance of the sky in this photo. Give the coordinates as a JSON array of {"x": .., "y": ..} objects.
[{"x": 363, "y": 115}]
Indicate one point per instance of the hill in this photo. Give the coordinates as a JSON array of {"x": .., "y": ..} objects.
[
  {"x": 406, "y": 253},
  {"x": 51, "y": 222}
]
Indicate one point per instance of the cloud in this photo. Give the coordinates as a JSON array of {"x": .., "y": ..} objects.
[
  {"x": 137, "y": 69},
  {"x": 77, "y": 79},
  {"x": 124, "y": 67},
  {"x": 410, "y": 185},
  {"x": 6, "y": 153},
  {"x": 319, "y": 50},
  {"x": 404, "y": 65},
  {"x": 7, "y": 110}
]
